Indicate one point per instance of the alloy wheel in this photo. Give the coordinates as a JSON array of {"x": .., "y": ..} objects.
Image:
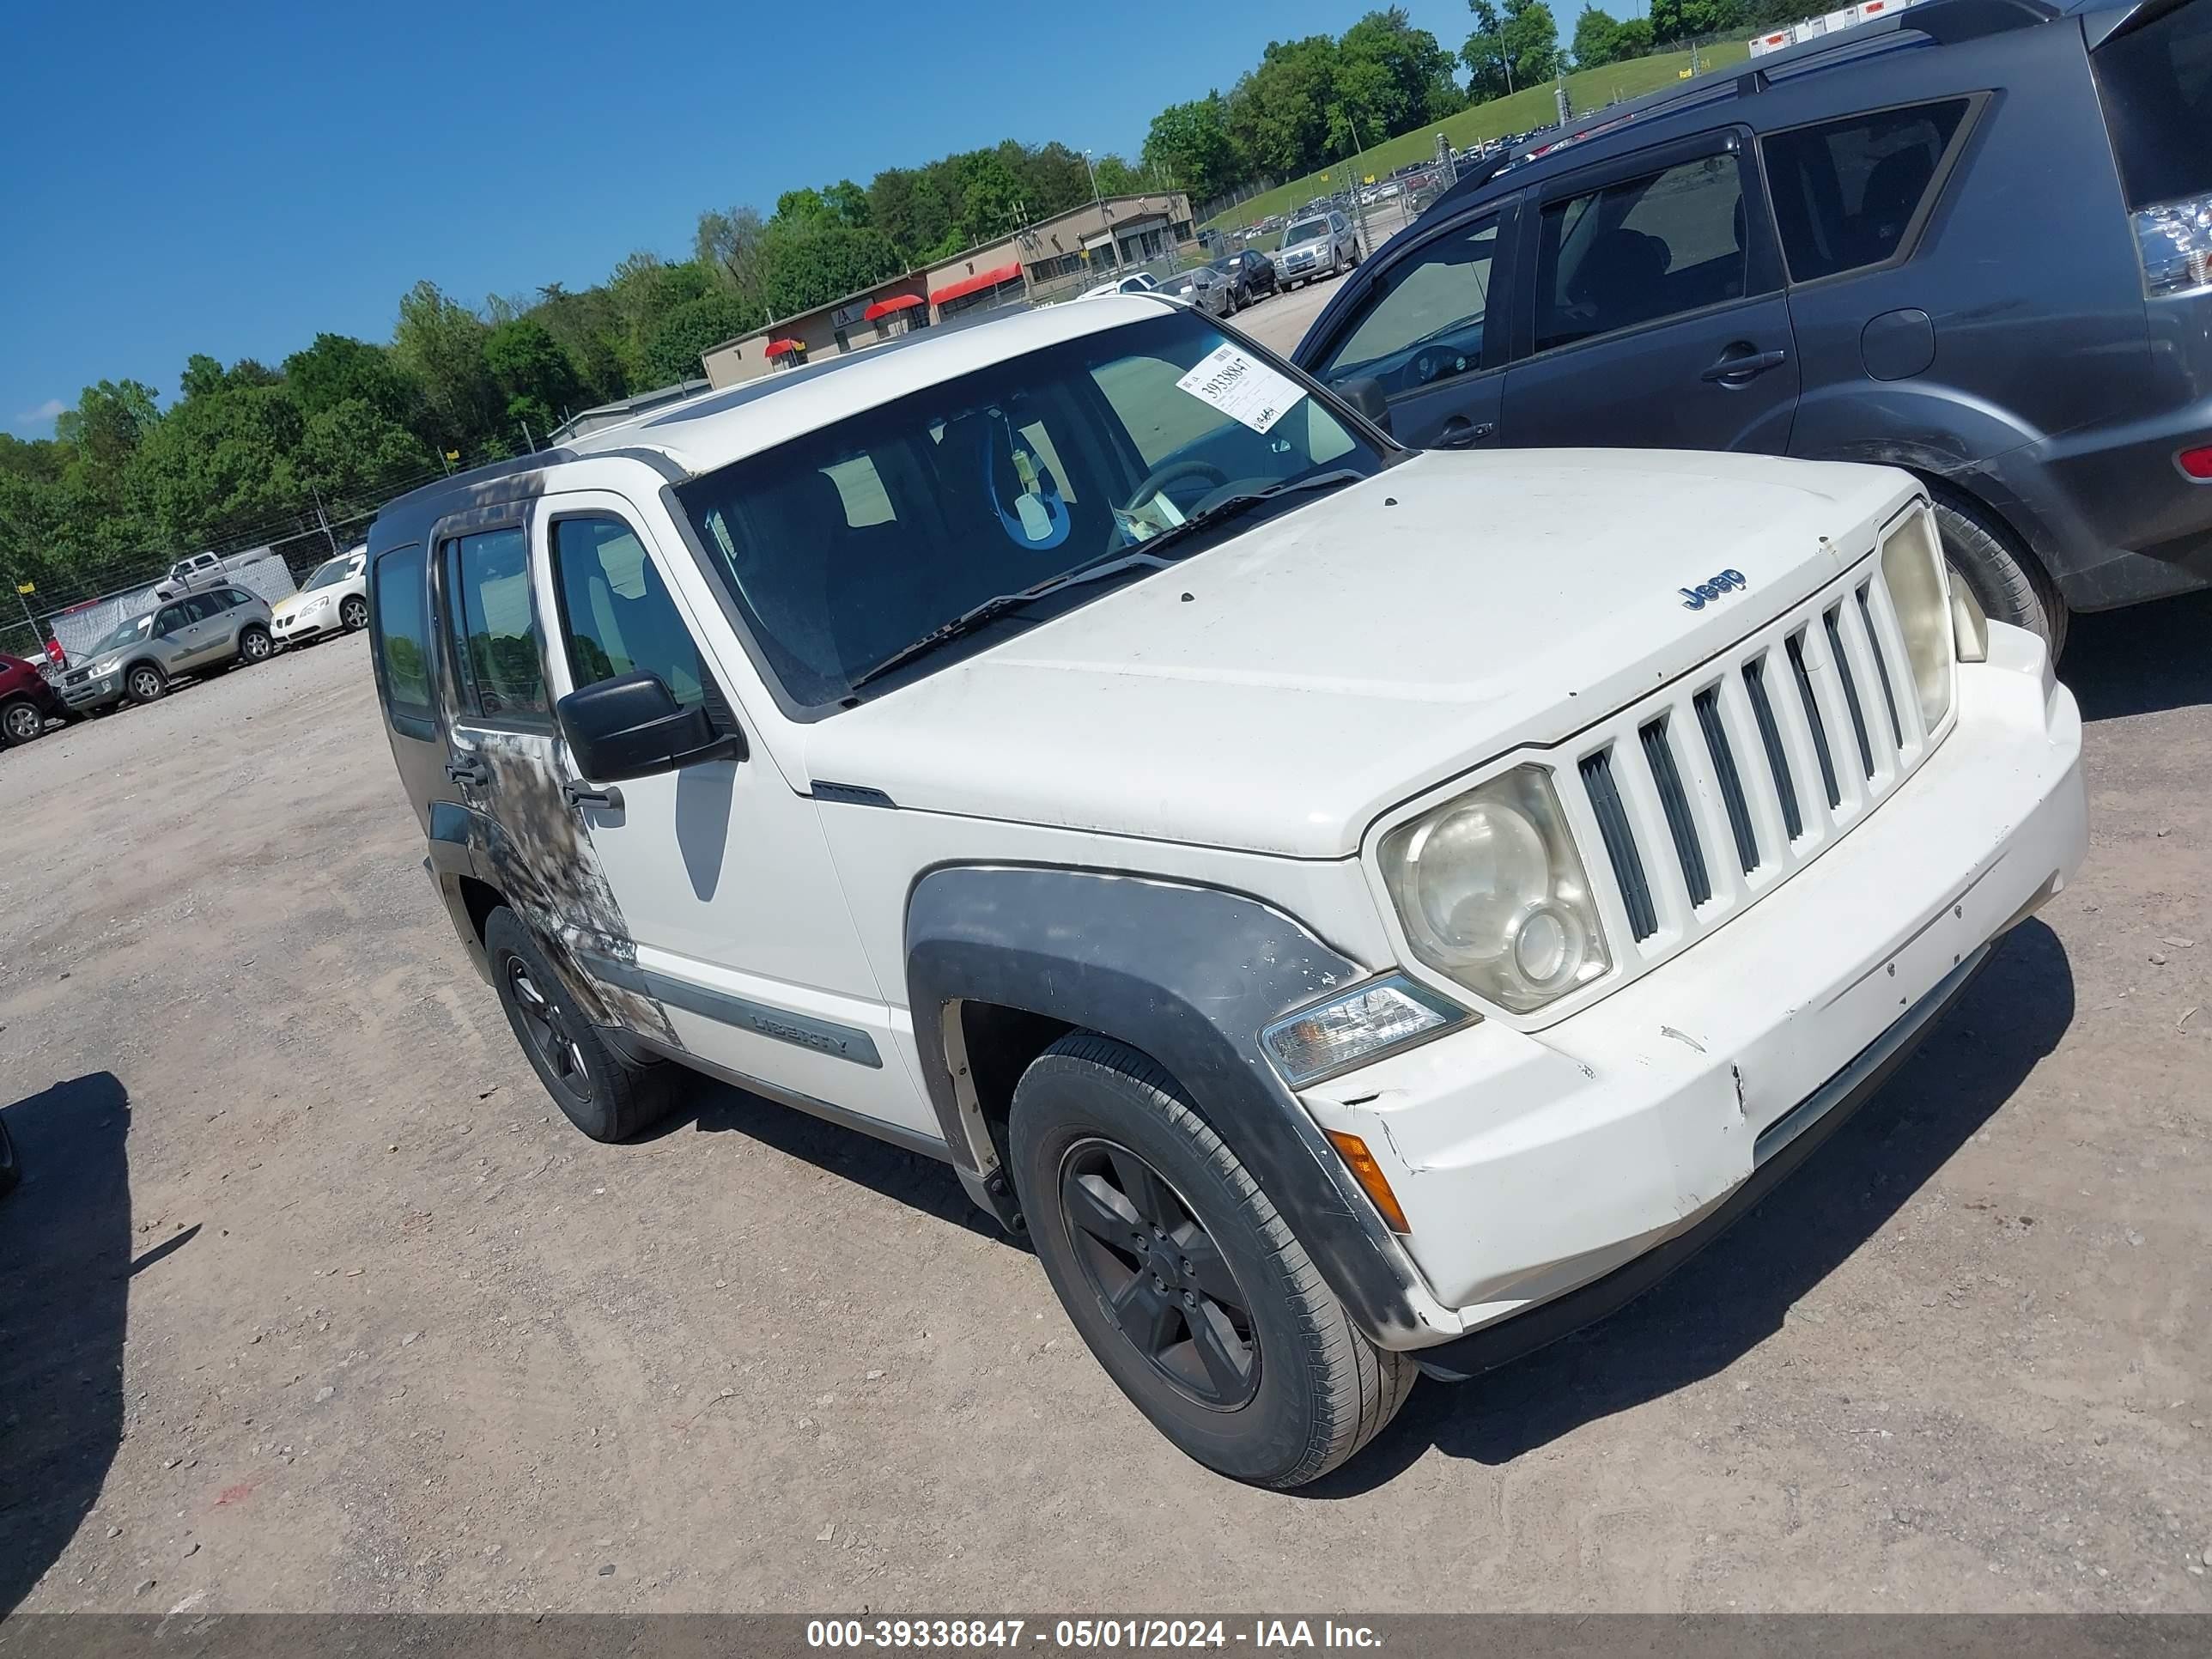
[
  {"x": 24, "y": 723},
  {"x": 145, "y": 684},
  {"x": 255, "y": 647},
  {"x": 354, "y": 613},
  {"x": 548, "y": 1029},
  {"x": 1159, "y": 1274}
]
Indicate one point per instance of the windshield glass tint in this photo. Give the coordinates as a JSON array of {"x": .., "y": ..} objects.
[
  {"x": 1312, "y": 230},
  {"x": 136, "y": 629},
  {"x": 329, "y": 575},
  {"x": 841, "y": 547}
]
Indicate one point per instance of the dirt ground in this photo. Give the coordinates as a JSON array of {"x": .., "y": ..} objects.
[{"x": 310, "y": 1300}]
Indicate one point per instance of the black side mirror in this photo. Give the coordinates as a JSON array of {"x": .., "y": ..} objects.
[
  {"x": 632, "y": 726},
  {"x": 1364, "y": 393}
]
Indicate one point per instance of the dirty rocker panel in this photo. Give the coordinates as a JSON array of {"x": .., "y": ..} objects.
[
  {"x": 802, "y": 1030},
  {"x": 1187, "y": 975}
]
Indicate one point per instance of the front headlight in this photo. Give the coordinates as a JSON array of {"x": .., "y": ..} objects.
[
  {"x": 101, "y": 669},
  {"x": 1490, "y": 892},
  {"x": 1912, "y": 568}
]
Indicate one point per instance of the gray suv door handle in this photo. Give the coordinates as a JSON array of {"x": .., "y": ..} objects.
[
  {"x": 1741, "y": 366},
  {"x": 1460, "y": 433},
  {"x": 467, "y": 769}
]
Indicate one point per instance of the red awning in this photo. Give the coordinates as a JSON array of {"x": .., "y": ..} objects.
[
  {"x": 978, "y": 283},
  {"x": 780, "y": 347},
  {"x": 896, "y": 302}
]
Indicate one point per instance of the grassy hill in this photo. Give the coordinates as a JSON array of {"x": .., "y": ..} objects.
[{"x": 1587, "y": 89}]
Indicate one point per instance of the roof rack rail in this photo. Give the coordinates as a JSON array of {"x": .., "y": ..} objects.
[{"x": 1944, "y": 22}]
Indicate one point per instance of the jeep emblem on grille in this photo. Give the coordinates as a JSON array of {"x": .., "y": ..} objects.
[{"x": 1696, "y": 598}]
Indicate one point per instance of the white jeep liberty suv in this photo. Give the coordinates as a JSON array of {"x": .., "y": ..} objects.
[{"x": 1358, "y": 911}]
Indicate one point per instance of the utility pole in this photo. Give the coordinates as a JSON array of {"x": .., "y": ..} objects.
[
  {"x": 530, "y": 442},
  {"x": 1358, "y": 190},
  {"x": 324, "y": 518},
  {"x": 1095, "y": 199}
]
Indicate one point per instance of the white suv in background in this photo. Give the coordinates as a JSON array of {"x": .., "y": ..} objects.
[{"x": 1356, "y": 911}]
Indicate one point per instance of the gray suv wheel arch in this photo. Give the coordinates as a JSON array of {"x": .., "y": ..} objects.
[{"x": 1188, "y": 975}]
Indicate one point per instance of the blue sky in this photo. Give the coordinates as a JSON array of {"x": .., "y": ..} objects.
[{"x": 232, "y": 179}]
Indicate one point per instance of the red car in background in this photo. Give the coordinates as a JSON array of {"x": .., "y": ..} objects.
[{"x": 27, "y": 701}]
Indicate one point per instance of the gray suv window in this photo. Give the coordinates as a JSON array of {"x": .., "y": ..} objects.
[
  {"x": 1641, "y": 250},
  {"x": 1439, "y": 297},
  {"x": 1845, "y": 192}
]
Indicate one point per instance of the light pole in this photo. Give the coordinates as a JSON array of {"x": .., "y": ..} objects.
[{"x": 1093, "y": 172}]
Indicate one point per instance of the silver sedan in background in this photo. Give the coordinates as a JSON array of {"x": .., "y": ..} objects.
[{"x": 1204, "y": 287}]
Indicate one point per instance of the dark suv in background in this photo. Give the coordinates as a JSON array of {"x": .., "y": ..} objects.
[{"x": 1970, "y": 239}]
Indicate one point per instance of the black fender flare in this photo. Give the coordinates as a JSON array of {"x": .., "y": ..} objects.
[{"x": 1187, "y": 973}]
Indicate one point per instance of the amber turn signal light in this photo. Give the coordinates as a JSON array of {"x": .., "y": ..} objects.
[{"x": 1369, "y": 1174}]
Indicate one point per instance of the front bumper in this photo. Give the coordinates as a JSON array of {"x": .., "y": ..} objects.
[
  {"x": 95, "y": 693},
  {"x": 298, "y": 629},
  {"x": 1532, "y": 1165}
]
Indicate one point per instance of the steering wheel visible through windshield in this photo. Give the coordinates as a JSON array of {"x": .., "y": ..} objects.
[{"x": 846, "y": 547}]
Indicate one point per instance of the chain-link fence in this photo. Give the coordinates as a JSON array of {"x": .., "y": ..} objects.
[{"x": 270, "y": 555}]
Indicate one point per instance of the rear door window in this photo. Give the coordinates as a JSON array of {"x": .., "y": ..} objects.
[
  {"x": 2156, "y": 85},
  {"x": 1845, "y": 192},
  {"x": 401, "y": 640},
  {"x": 1640, "y": 250},
  {"x": 495, "y": 629}
]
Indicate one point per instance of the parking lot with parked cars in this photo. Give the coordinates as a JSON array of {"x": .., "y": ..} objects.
[{"x": 399, "y": 1338}]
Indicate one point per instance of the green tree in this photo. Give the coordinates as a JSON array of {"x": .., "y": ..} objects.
[
  {"x": 1391, "y": 77},
  {"x": 439, "y": 343},
  {"x": 337, "y": 368},
  {"x": 1509, "y": 49},
  {"x": 1597, "y": 37},
  {"x": 1689, "y": 19},
  {"x": 1117, "y": 177},
  {"x": 109, "y": 423},
  {"x": 848, "y": 202},
  {"x": 1190, "y": 145},
  {"x": 355, "y": 456},
  {"x": 689, "y": 329},
  {"x": 991, "y": 202},
  {"x": 529, "y": 367},
  {"x": 811, "y": 264},
  {"x": 221, "y": 462}
]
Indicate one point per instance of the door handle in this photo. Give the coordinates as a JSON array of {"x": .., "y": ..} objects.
[
  {"x": 1736, "y": 367},
  {"x": 468, "y": 770},
  {"x": 1460, "y": 433},
  {"x": 581, "y": 795}
]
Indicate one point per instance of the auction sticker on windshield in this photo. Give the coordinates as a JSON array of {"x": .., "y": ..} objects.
[{"x": 1243, "y": 387}]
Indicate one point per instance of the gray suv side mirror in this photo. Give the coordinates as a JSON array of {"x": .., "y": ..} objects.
[{"x": 632, "y": 726}]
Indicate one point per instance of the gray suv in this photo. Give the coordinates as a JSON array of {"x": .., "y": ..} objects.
[
  {"x": 1973, "y": 239},
  {"x": 201, "y": 633},
  {"x": 1322, "y": 245}
]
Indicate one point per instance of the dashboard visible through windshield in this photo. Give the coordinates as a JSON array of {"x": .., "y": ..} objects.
[{"x": 843, "y": 549}]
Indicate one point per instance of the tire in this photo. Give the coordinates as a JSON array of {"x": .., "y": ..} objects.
[
  {"x": 1295, "y": 1388},
  {"x": 607, "y": 1097},
  {"x": 353, "y": 614},
  {"x": 144, "y": 682},
  {"x": 254, "y": 644},
  {"x": 2002, "y": 575},
  {"x": 21, "y": 722}
]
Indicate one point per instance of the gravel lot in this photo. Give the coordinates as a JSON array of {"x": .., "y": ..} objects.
[{"x": 309, "y": 1301}]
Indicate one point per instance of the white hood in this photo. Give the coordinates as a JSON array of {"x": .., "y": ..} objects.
[{"x": 1280, "y": 691}]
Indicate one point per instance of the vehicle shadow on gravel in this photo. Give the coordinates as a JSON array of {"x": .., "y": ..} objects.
[
  {"x": 2141, "y": 660},
  {"x": 1727, "y": 1300},
  {"x": 64, "y": 1283},
  {"x": 921, "y": 1184}
]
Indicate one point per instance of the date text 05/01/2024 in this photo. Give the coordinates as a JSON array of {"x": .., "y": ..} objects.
[{"x": 1088, "y": 1635}]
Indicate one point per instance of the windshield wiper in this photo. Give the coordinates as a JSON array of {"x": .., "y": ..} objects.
[
  {"x": 1230, "y": 505},
  {"x": 999, "y": 604},
  {"x": 1147, "y": 555}
]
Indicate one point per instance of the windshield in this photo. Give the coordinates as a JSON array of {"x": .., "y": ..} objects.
[
  {"x": 842, "y": 547},
  {"x": 1309, "y": 230},
  {"x": 129, "y": 634},
  {"x": 328, "y": 575}
]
